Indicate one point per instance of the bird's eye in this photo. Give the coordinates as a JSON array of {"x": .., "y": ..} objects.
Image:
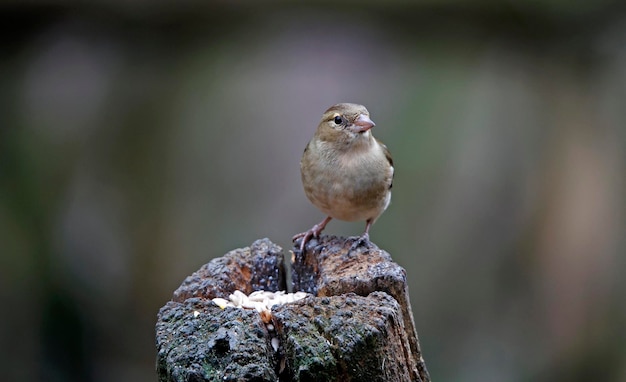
[{"x": 338, "y": 120}]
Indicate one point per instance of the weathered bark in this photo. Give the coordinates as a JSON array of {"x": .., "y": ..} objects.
[
  {"x": 258, "y": 267},
  {"x": 197, "y": 341},
  {"x": 356, "y": 326},
  {"x": 333, "y": 266}
]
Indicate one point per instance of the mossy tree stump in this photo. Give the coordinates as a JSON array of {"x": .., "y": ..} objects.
[{"x": 356, "y": 326}]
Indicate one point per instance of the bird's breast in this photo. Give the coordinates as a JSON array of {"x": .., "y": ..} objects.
[{"x": 348, "y": 186}]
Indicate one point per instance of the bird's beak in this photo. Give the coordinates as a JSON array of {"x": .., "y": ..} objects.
[{"x": 363, "y": 123}]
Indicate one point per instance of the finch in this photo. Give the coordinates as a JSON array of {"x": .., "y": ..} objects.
[{"x": 346, "y": 172}]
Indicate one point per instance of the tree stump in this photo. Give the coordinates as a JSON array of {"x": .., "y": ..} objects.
[{"x": 356, "y": 325}]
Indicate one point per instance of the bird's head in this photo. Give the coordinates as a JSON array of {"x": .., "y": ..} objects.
[{"x": 345, "y": 123}]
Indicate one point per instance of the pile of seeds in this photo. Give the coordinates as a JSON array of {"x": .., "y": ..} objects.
[{"x": 262, "y": 301}]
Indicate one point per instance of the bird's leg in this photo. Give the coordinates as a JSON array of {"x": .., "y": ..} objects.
[
  {"x": 365, "y": 238},
  {"x": 313, "y": 232},
  {"x": 366, "y": 234}
]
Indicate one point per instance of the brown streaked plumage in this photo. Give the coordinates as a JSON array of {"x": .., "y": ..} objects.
[{"x": 346, "y": 172}]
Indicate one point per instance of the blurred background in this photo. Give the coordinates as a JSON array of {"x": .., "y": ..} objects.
[{"x": 139, "y": 139}]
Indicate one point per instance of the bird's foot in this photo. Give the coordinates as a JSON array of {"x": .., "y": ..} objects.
[
  {"x": 305, "y": 237},
  {"x": 313, "y": 232},
  {"x": 363, "y": 240}
]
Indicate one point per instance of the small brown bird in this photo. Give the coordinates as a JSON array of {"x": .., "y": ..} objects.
[{"x": 346, "y": 172}]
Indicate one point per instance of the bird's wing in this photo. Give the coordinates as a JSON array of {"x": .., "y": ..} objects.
[
  {"x": 388, "y": 156},
  {"x": 386, "y": 151}
]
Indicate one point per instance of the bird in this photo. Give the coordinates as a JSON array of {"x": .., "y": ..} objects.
[{"x": 346, "y": 172}]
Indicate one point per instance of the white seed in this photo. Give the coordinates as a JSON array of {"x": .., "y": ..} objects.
[
  {"x": 222, "y": 303},
  {"x": 260, "y": 295},
  {"x": 234, "y": 299},
  {"x": 254, "y": 305},
  {"x": 259, "y": 300},
  {"x": 275, "y": 343},
  {"x": 238, "y": 298},
  {"x": 239, "y": 294},
  {"x": 300, "y": 295}
]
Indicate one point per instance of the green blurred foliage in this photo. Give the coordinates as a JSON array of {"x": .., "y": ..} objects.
[{"x": 138, "y": 141}]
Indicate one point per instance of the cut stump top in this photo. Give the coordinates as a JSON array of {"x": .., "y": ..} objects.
[{"x": 357, "y": 325}]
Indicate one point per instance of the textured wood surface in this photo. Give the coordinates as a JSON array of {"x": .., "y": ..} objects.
[{"x": 356, "y": 325}]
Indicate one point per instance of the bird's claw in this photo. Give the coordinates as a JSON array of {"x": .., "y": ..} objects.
[
  {"x": 306, "y": 236},
  {"x": 298, "y": 236},
  {"x": 362, "y": 240}
]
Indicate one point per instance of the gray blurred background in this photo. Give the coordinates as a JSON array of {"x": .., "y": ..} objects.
[{"x": 139, "y": 139}]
